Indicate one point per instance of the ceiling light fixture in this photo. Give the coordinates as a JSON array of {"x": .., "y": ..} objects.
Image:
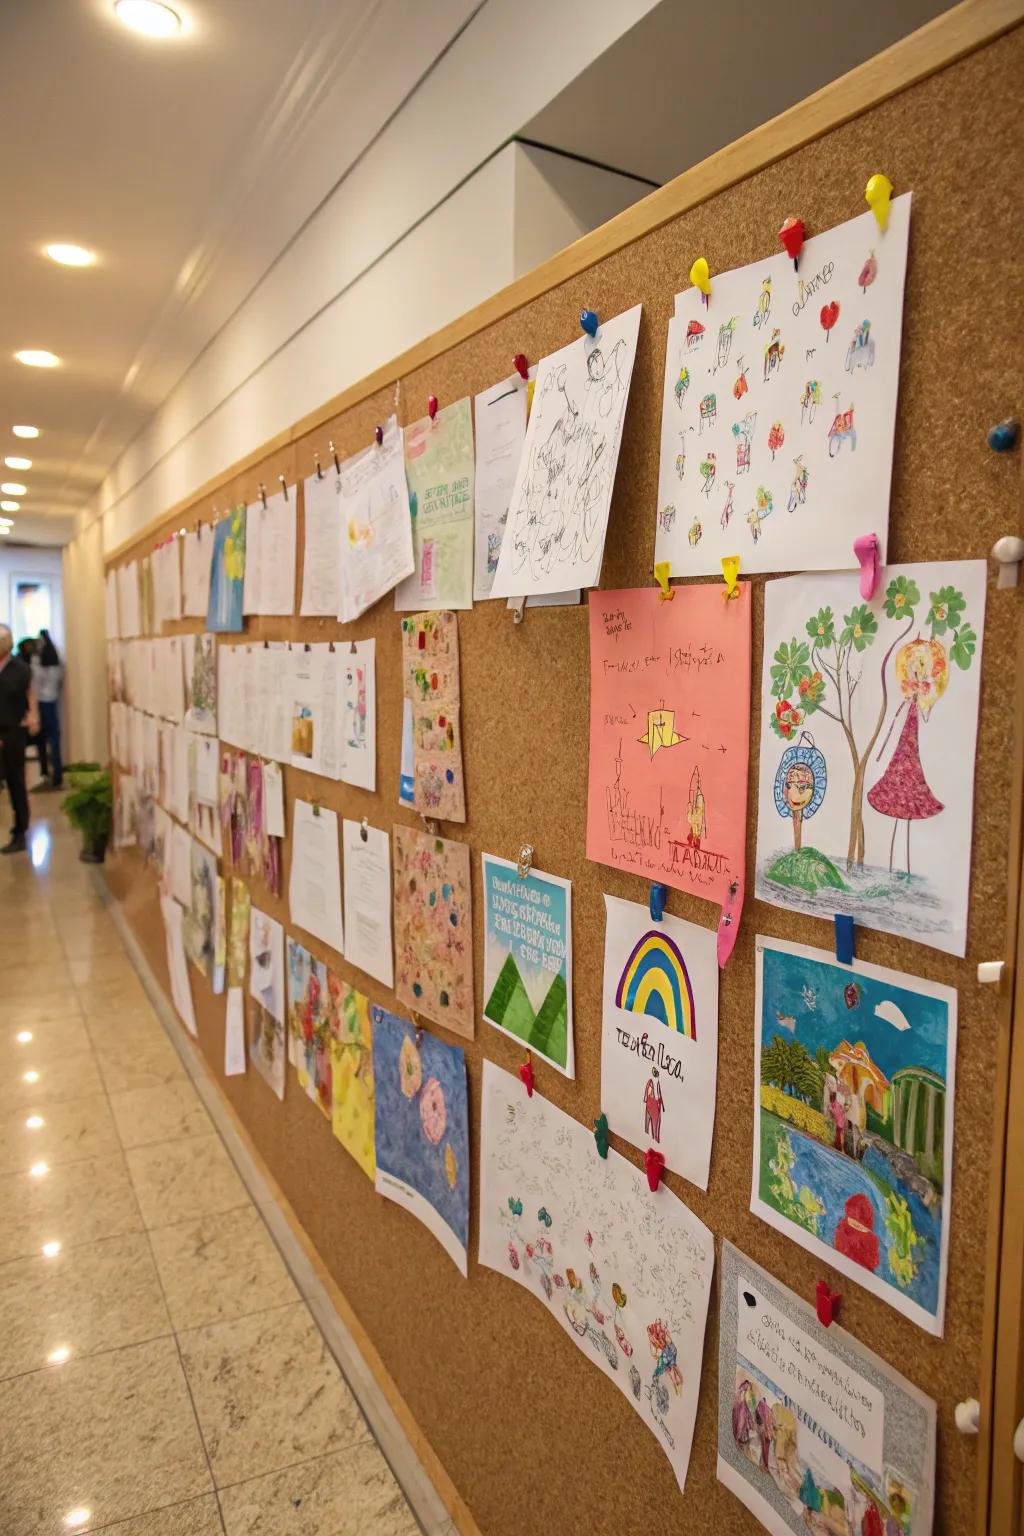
[
  {"x": 51, "y": 1249},
  {"x": 31, "y": 1076},
  {"x": 71, "y": 255},
  {"x": 150, "y": 17},
  {"x": 39, "y": 1170},
  {"x": 10, "y": 506},
  {"x": 23, "y": 1036},
  {"x": 34, "y": 1122},
  {"x": 14, "y": 461},
  {"x": 12, "y": 488},
  {"x": 25, "y": 431},
  {"x": 76, "y": 1518},
  {"x": 59, "y": 1355},
  {"x": 37, "y": 357}
]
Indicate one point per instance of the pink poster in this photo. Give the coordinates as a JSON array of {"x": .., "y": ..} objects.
[{"x": 669, "y": 740}]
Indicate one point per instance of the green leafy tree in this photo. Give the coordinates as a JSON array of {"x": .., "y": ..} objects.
[{"x": 823, "y": 672}]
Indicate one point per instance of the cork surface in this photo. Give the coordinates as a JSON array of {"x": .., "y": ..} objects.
[{"x": 529, "y": 1432}]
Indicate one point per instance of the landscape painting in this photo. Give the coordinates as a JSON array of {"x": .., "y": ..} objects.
[
  {"x": 853, "y": 1131},
  {"x": 528, "y": 959}
]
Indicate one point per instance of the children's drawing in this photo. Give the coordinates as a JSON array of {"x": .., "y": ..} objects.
[
  {"x": 434, "y": 929},
  {"x": 430, "y": 685},
  {"x": 268, "y": 1030},
  {"x": 659, "y": 1043},
  {"x": 309, "y": 1032},
  {"x": 853, "y": 1135},
  {"x": 227, "y": 574},
  {"x": 890, "y": 688},
  {"x": 237, "y": 932},
  {"x": 376, "y": 528},
  {"x": 669, "y": 717},
  {"x": 440, "y": 470},
  {"x": 815, "y": 1433},
  {"x": 528, "y": 959},
  {"x": 780, "y": 327},
  {"x": 626, "y": 1277},
  {"x": 351, "y": 1040},
  {"x": 421, "y": 1117},
  {"x": 558, "y": 514},
  {"x": 199, "y": 658},
  {"x": 200, "y": 921}
]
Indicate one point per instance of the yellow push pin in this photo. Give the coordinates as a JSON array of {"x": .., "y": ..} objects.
[
  {"x": 662, "y": 575},
  {"x": 731, "y": 572},
  {"x": 700, "y": 277},
  {"x": 877, "y": 194}
]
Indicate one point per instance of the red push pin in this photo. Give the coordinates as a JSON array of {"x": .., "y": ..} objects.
[
  {"x": 521, "y": 366},
  {"x": 654, "y": 1164},
  {"x": 526, "y": 1074},
  {"x": 826, "y": 1303},
  {"x": 431, "y": 406},
  {"x": 792, "y": 236}
]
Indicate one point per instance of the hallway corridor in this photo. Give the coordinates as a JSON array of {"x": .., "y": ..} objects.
[{"x": 160, "y": 1373}]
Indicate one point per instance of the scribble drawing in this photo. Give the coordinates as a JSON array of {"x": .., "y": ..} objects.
[
  {"x": 743, "y": 432},
  {"x": 726, "y": 333},
  {"x": 741, "y": 386},
  {"x": 763, "y": 508},
  {"x": 764, "y": 303},
  {"x": 861, "y": 351},
  {"x": 810, "y": 400},
  {"x": 682, "y": 384},
  {"x": 728, "y": 509},
  {"x": 661, "y": 731},
  {"x": 707, "y": 472},
  {"x": 695, "y": 532},
  {"x": 798, "y": 488},
  {"x": 681, "y": 457},
  {"x": 696, "y": 812},
  {"x": 694, "y": 335},
  {"x": 559, "y": 517},
  {"x": 667, "y": 516},
  {"x": 842, "y": 431},
  {"x": 708, "y": 411},
  {"x": 773, "y": 354}
]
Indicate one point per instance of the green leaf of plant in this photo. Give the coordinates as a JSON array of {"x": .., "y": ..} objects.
[
  {"x": 821, "y": 627},
  {"x": 790, "y": 665},
  {"x": 861, "y": 626},
  {"x": 902, "y": 596},
  {"x": 965, "y": 643},
  {"x": 946, "y": 610}
]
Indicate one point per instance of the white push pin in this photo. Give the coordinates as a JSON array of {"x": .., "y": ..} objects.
[
  {"x": 967, "y": 1416},
  {"x": 1009, "y": 552}
]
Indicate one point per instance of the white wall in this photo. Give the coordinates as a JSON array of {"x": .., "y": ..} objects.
[
  {"x": 85, "y": 651},
  {"x": 558, "y": 199}
]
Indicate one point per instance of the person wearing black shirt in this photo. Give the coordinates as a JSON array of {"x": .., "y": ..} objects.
[{"x": 19, "y": 718}]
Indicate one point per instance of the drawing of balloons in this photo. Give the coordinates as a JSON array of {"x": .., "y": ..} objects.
[
  {"x": 433, "y": 1111},
  {"x": 868, "y": 272},
  {"x": 829, "y": 316}
]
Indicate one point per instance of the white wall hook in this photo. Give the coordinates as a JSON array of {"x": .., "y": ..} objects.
[
  {"x": 968, "y": 1416},
  {"x": 990, "y": 972},
  {"x": 1009, "y": 552}
]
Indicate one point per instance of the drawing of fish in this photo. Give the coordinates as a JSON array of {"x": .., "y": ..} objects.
[{"x": 786, "y": 1020}]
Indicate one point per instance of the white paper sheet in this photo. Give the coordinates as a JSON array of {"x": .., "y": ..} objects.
[
  {"x": 321, "y": 553},
  {"x": 367, "y": 872},
  {"x": 316, "y": 710},
  {"x": 869, "y": 716},
  {"x": 112, "y": 622},
  {"x": 198, "y": 557},
  {"x": 358, "y": 719},
  {"x": 204, "y": 791},
  {"x": 626, "y": 1274},
  {"x": 177, "y": 965},
  {"x": 499, "y": 415},
  {"x": 314, "y": 886},
  {"x": 777, "y": 434},
  {"x": 179, "y": 878},
  {"x": 270, "y": 547},
  {"x": 268, "y": 1040},
  {"x": 659, "y": 1041},
  {"x": 273, "y": 800},
  {"x": 376, "y": 532},
  {"x": 439, "y": 472},
  {"x": 234, "y": 1033},
  {"x": 558, "y": 515}
]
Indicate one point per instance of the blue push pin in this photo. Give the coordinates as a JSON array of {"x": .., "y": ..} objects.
[
  {"x": 1003, "y": 437},
  {"x": 589, "y": 322},
  {"x": 658, "y": 895},
  {"x": 844, "y": 938}
]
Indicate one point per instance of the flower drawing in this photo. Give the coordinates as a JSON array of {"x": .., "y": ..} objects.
[
  {"x": 410, "y": 1068},
  {"x": 433, "y": 1111}
]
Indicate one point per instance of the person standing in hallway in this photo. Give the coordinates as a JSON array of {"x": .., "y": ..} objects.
[
  {"x": 48, "y": 680},
  {"x": 19, "y": 718}
]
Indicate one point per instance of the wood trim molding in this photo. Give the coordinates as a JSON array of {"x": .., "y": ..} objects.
[{"x": 933, "y": 47}]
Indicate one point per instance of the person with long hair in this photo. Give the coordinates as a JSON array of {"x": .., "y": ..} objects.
[{"x": 48, "y": 676}]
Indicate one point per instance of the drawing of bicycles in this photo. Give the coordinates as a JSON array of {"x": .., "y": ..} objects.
[
  {"x": 861, "y": 351},
  {"x": 842, "y": 431}
]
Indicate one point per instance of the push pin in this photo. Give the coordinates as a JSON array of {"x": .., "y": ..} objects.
[
  {"x": 378, "y": 435},
  {"x": 877, "y": 195},
  {"x": 654, "y": 1165},
  {"x": 601, "y": 1134},
  {"x": 589, "y": 322},
  {"x": 657, "y": 901},
  {"x": 792, "y": 236},
  {"x": 521, "y": 366},
  {"x": 1003, "y": 437},
  {"x": 826, "y": 1303},
  {"x": 526, "y": 1074},
  {"x": 700, "y": 277},
  {"x": 431, "y": 406}
]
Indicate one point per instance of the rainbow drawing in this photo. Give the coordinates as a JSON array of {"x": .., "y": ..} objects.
[{"x": 654, "y": 981}]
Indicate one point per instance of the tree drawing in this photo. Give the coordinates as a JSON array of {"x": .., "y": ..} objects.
[
  {"x": 776, "y": 438},
  {"x": 822, "y": 674}
]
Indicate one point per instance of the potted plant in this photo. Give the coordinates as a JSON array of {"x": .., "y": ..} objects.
[{"x": 89, "y": 806}]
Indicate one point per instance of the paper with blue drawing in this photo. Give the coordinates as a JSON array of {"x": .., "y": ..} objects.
[
  {"x": 528, "y": 959},
  {"x": 853, "y": 1129},
  {"x": 659, "y": 1044},
  {"x": 421, "y": 1121}
]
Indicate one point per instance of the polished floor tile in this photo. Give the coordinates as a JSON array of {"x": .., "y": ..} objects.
[
  {"x": 71, "y": 1130},
  {"x": 351, "y": 1493},
  {"x": 84, "y": 1300},
  {"x": 176, "y": 1180},
  {"x": 40, "y": 1006},
  {"x": 165, "y": 1113},
  {"x": 84, "y": 942},
  {"x": 112, "y": 997},
  {"x": 220, "y": 1267},
  {"x": 96, "y": 969},
  {"x": 132, "y": 1057},
  {"x": 45, "y": 1080},
  {"x": 74, "y": 1203},
  {"x": 114, "y": 1434},
  {"x": 267, "y": 1393},
  {"x": 49, "y": 1037},
  {"x": 199, "y": 1517},
  {"x": 29, "y": 980}
]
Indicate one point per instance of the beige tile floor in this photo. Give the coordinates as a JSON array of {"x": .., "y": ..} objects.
[{"x": 160, "y": 1374}]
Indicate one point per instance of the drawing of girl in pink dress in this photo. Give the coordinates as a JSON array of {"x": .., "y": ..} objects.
[
  {"x": 654, "y": 1103},
  {"x": 922, "y": 670}
]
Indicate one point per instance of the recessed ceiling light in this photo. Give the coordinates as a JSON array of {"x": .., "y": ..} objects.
[
  {"x": 12, "y": 488},
  {"x": 35, "y": 357},
  {"x": 10, "y": 506},
  {"x": 14, "y": 461},
  {"x": 71, "y": 255},
  {"x": 34, "y": 1122},
  {"x": 24, "y": 1035},
  {"x": 51, "y": 1249},
  {"x": 25, "y": 431},
  {"x": 148, "y": 16}
]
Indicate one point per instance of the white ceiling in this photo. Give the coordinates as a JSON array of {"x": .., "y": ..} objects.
[{"x": 186, "y": 166}]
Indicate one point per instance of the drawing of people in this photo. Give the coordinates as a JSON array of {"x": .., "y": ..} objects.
[
  {"x": 786, "y": 1447},
  {"x": 837, "y": 1110},
  {"x": 654, "y": 1103},
  {"x": 742, "y": 1417},
  {"x": 765, "y": 1430},
  {"x": 664, "y": 1351},
  {"x": 922, "y": 670},
  {"x": 855, "y": 1235},
  {"x": 696, "y": 812},
  {"x": 764, "y": 303}
]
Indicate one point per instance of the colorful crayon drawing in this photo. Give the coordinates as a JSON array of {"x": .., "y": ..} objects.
[
  {"x": 309, "y": 1034},
  {"x": 434, "y": 929},
  {"x": 351, "y": 1033},
  {"x": 199, "y": 658},
  {"x": 430, "y": 683},
  {"x": 815, "y": 1433},
  {"x": 268, "y": 1029},
  {"x": 528, "y": 959},
  {"x": 227, "y": 574},
  {"x": 421, "y": 1119},
  {"x": 854, "y": 1125},
  {"x": 238, "y": 932},
  {"x": 890, "y": 687},
  {"x": 562, "y": 1222},
  {"x": 200, "y": 921}
]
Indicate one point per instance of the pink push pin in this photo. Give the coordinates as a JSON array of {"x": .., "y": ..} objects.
[
  {"x": 431, "y": 406},
  {"x": 867, "y": 550},
  {"x": 521, "y": 366}
]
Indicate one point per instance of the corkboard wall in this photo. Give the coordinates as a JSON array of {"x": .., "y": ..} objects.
[{"x": 530, "y": 1434}]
